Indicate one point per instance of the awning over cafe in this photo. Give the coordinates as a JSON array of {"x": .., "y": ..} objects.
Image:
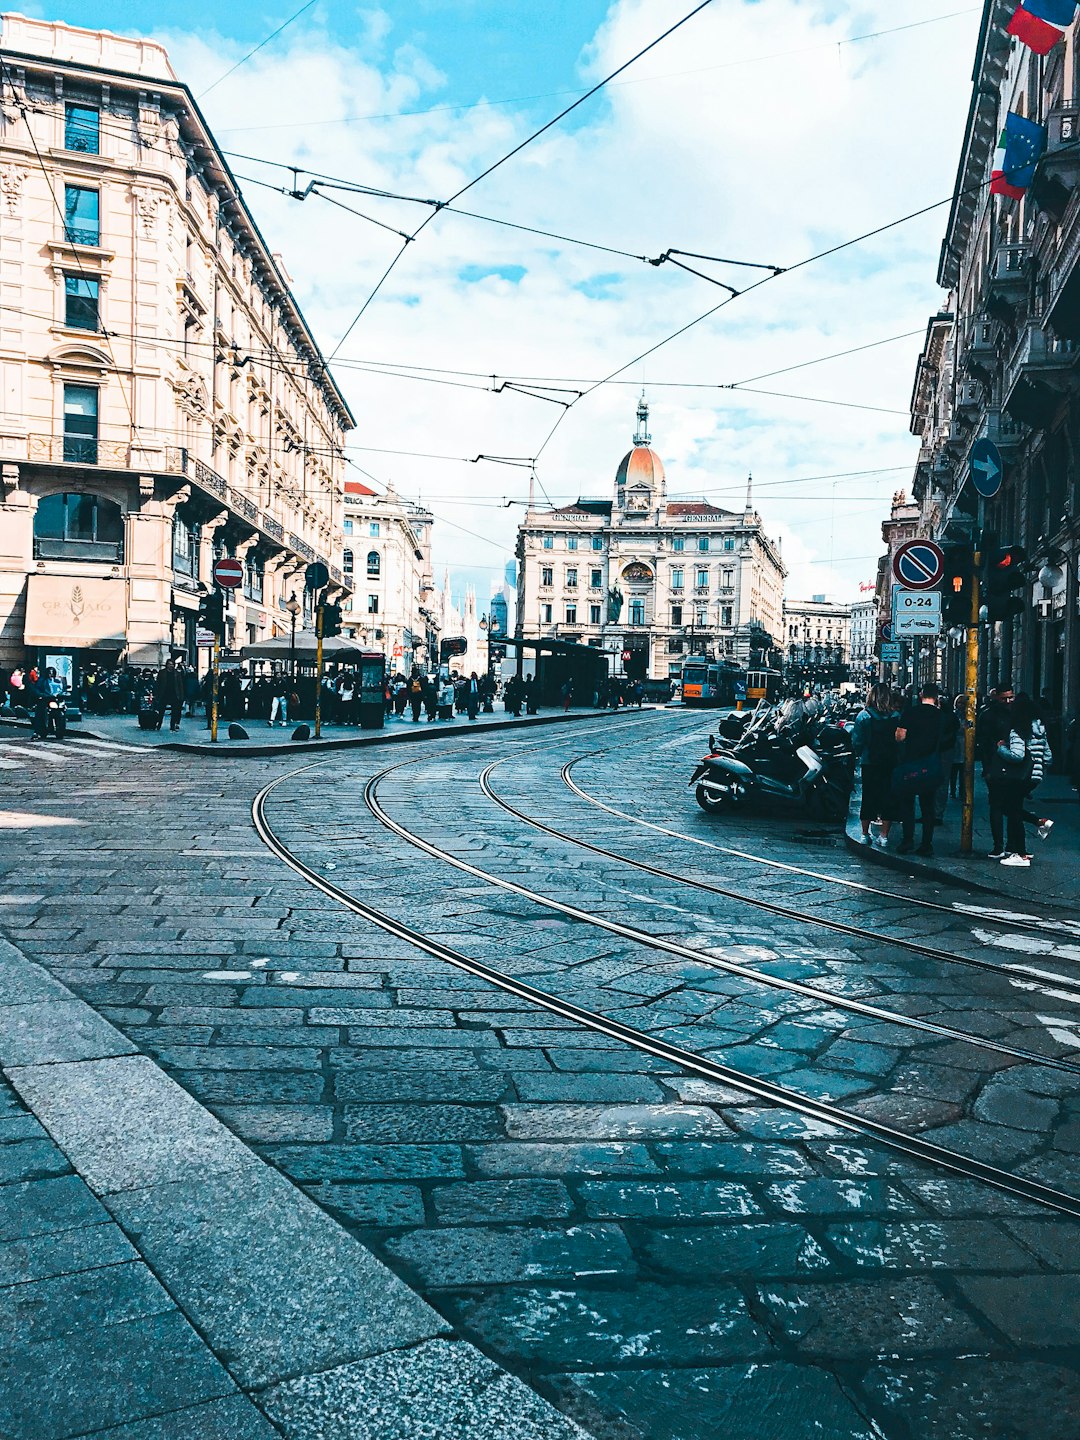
[{"x": 76, "y": 612}]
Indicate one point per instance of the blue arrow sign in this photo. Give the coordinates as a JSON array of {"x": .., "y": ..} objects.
[{"x": 986, "y": 467}]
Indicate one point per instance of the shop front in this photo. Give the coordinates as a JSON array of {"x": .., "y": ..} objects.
[{"x": 73, "y": 621}]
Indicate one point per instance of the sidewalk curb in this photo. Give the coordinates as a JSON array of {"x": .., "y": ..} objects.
[
  {"x": 220, "y": 1230},
  {"x": 358, "y": 742},
  {"x": 912, "y": 865}
]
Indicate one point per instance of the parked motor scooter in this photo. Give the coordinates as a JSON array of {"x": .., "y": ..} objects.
[{"x": 783, "y": 755}]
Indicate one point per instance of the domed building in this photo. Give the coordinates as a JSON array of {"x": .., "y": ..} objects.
[{"x": 646, "y": 579}]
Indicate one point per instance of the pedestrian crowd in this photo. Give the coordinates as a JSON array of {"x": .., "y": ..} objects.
[
  {"x": 911, "y": 748},
  {"x": 441, "y": 697}
]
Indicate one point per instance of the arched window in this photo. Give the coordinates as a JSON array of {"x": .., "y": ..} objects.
[
  {"x": 78, "y": 527},
  {"x": 347, "y": 563},
  {"x": 374, "y": 564}
]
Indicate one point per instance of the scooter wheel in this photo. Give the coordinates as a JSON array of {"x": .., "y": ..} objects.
[{"x": 709, "y": 802}]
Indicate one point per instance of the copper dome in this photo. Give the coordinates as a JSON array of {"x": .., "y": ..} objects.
[{"x": 640, "y": 466}]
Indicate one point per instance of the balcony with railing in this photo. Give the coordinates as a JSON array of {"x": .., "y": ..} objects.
[{"x": 1039, "y": 357}]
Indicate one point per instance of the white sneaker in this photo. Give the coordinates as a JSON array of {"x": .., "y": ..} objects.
[
  {"x": 997, "y": 855},
  {"x": 882, "y": 842},
  {"x": 1045, "y": 826},
  {"x": 1021, "y": 862}
]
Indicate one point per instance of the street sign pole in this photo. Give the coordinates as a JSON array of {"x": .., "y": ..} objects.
[
  {"x": 971, "y": 686},
  {"x": 214, "y": 687},
  {"x": 318, "y": 663}
]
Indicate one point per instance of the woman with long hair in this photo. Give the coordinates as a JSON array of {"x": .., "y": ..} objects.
[{"x": 874, "y": 742}]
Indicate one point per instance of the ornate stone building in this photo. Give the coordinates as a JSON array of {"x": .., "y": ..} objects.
[
  {"x": 817, "y": 641},
  {"x": 387, "y": 561},
  {"x": 646, "y": 579},
  {"x": 162, "y": 400}
]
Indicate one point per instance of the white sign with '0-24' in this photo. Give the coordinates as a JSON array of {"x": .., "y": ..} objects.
[{"x": 916, "y": 612}]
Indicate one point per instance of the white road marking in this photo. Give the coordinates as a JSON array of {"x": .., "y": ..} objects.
[
  {"x": 38, "y": 751},
  {"x": 1027, "y": 944}
]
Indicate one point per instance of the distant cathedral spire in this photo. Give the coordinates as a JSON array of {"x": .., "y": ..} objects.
[{"x": 641, "y": 434}]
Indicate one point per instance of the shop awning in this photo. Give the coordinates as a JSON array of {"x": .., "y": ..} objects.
[
  {"x": 76, "y": 612},
  {"x": 281, "y": 647}
]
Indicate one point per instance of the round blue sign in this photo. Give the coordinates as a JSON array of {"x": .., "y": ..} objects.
[
  {"x": 918, "y": 564},
  {"x": 986, "y": 467}
]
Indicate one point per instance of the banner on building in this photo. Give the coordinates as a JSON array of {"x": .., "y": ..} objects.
[
  {"x": 1040, "y": 24},
  {"x": 75, "y": 612},
  {"x": 1019, "y": 150}
]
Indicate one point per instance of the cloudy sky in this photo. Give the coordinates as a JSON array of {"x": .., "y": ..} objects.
[{"x": 765, "y": 132}]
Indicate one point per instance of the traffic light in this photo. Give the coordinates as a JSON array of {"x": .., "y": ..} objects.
[
  {"x": 212, "y": 612},
  {"x": 331, "y": 621},
  {"x": 956, "y": 584},
  {"x": 1005, "y": 573}
]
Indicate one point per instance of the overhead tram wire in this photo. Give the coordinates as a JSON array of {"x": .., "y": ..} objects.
[
  {"x": 517, "y": 149},
  {"x": 261, "y": 45}
]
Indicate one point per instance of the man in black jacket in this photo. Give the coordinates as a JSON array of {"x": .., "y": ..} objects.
[{"x": 919, "y": 732}]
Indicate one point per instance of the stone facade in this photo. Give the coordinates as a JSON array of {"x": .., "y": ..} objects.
[
  {"x": 1001, "y": 363},
  {"x": 646, "y": 579},
  {"x": 162, "y": 401},
  {"x": 817, "y": 640},
  {"x": 387, "y": 560}
]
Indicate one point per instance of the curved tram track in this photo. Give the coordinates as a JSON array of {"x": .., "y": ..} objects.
[{"x": 686, "y": 1059}]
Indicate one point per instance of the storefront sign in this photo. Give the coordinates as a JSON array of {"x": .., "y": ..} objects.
[{"x": 75, "y": 612}]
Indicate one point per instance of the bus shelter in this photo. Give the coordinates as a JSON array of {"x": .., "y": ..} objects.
[{"x": 553, "y": 662}]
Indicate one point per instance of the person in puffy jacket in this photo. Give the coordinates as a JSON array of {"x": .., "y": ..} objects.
[{"x": 1026, "y": 714}]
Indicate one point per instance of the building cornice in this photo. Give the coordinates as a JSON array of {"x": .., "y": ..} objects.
[{"x": 980, "y": 134}]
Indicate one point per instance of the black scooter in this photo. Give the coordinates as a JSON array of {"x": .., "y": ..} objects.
[{"x": 785, "y": 756}]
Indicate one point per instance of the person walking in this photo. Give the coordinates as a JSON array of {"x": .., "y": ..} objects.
[
  {"x": 279, "y": 699},
  {"x": 1027, "y": 721},
  {"x": 472, "y": 695},
  {"x": 1011, "y": 766},
  {"x": 416, "y": 694},
  {"x": 956, "y": 767},
  {"x": 918, "y": 774},
  {"x": 191, "y": 689},
  {"x": 873, "y": 739},
  {"x": 528, "y": 694},
  {"x": 950, "y": 733},
  {"x": 169, "y": 695},
  {"x": 567, "y": 693}
]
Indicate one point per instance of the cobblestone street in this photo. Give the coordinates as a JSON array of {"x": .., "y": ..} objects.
[{"x": 582, "y": 1112}]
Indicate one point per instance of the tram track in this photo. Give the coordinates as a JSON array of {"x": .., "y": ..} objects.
[
  {"x": 940, "y": 1157},
  {"x": 1035, "y": 923},
  {"x": 771, "y": 907}
]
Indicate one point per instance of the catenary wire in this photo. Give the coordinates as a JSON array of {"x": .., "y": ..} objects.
[{"x": 261, "y": 45}]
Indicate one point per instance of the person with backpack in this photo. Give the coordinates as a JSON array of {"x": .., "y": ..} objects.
[
  {"x": 416, "y": 693},
  {"x": 874, "y": 741}
]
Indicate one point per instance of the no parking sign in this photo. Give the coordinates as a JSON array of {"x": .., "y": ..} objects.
[{"x": 919, "y": 564}]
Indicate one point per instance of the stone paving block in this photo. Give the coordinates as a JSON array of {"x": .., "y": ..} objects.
[
  {"x": 416, "y": 1123},
  {"x": 123, "y": 1123},
  {"x": 278, "y": 1123},
  {"x": 1056, "y": 1242},
  {"x": 1026, "y": 1308},
  {"x": 508, "y": 1201},
  {"x": 40, "y": 1207},
  {"x": 839, "y": 1197},
  {"x": 485, "y": 1256},
  {"x": 611, "y": 1122},
  {"x": 30, "y": 1160},
  {"x": 405, "y": 1035},
  {"x": 771, "y": 1251},
  {"x": 969, "y": 1398},
  {"x": 953, "y": 1245},
  {"x": 550, "y": 1158},
  {"x": 439, "y": 1391},
  {"x": 48, "y": 1308},
  {"x": 382, "y": 1087},
  {"x": 588, "y": 1089},
  {"x": 256, "y": 1056},
  {"x": 37, "y": 1257},
  {"x": 385, "y": 1206},
  {"x": 233, "y": 1418},
  {"x": 93, "y": 1378},
  {"x": 227, "y": 1249},
  {"x": 366, "y": 1162},
  {"x": 562, "y": 1329},
  {"x": 45, "y": 1031},
  {"x": 738, "y": 1402},
  {"x": 909, "y": 1316},
  {"x": 22, "y": 981},
  {"x": 667, "y": 1199},
  {"x": 257, "y": 1087}
]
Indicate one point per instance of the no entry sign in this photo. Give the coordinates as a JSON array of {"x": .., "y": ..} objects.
[
  {"x": 918, "y": 564},
  {"x": 228, "y": 573}
]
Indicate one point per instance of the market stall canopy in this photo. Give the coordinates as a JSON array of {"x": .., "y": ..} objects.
[{"x": 281, "y": 648}]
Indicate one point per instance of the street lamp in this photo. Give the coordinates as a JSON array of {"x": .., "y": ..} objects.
[{"x": 294, "y": 607}]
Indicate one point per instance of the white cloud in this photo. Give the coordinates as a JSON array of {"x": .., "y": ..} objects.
[{"x": 707, "y": 147}]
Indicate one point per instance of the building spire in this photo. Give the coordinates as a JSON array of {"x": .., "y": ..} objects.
[
  {"x": 641, "y": 434},
  {"x": 750, "y": 494}
]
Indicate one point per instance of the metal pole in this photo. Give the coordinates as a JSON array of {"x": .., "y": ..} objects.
[
  {"x": 214, "y": 687},
  {"x": 292, "y": 651},
  {"x": 318, "y": 664},
  {"x": 971, "y": 686}
]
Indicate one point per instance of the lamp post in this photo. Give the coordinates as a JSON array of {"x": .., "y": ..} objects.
[{"x": 294, "y": 607}]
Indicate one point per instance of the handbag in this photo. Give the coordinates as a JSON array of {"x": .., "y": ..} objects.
[{"x": 913, "y": 777}]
